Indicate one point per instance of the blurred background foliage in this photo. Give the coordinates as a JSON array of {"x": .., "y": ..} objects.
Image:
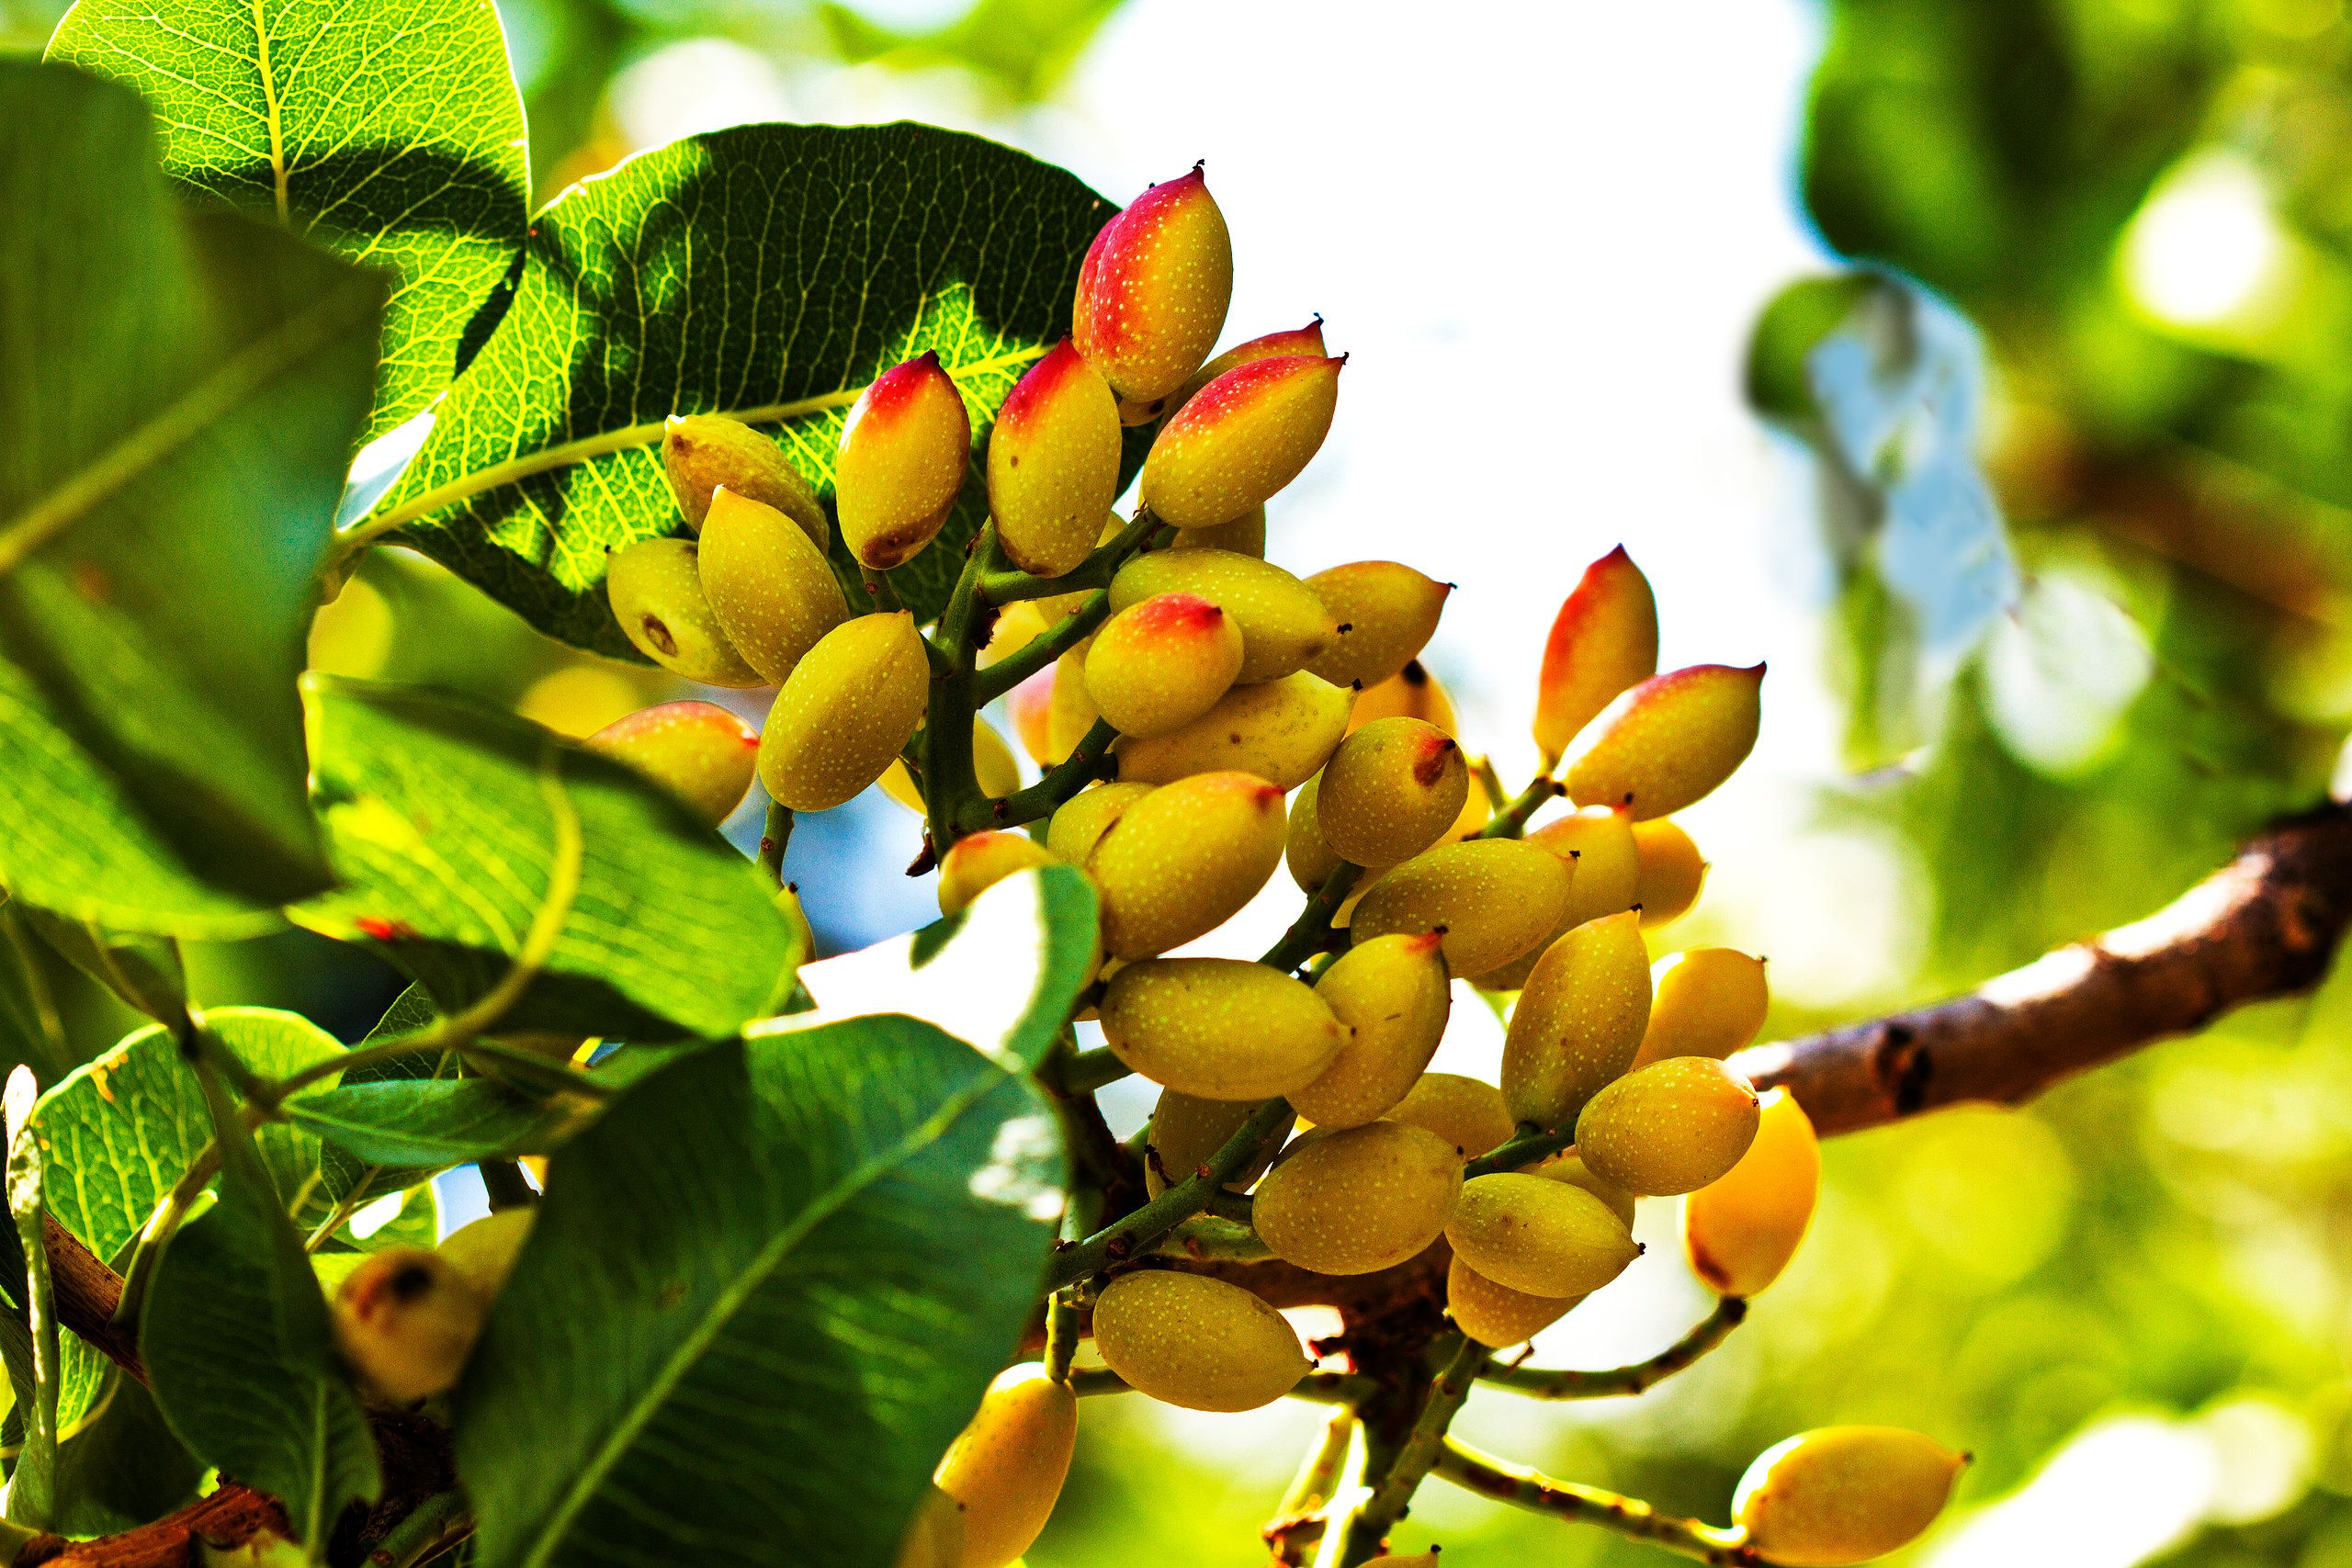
[{"x": 2067, "y": 418}]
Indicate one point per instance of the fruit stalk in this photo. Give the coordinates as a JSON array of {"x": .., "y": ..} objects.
[
  {"x": 1311, "y": 933},
  {"x": 1512, "y": 820},
  {"x": 1538, "y": 1382},
  {"x": 1139, "y": 1229},
  {"x": 1392, "y": 1491},
  {"x": 1505, "y": 1483}
]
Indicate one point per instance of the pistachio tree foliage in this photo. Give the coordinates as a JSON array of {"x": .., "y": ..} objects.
[{"x": 776, "y": 1276}]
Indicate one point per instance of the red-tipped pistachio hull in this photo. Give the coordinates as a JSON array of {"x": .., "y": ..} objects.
[
  {"x": 1054, "y": 464},
  {"x": 1153, "y": 290},
  {"x": 1307, "y": 340},
  {"x": 1668, "y": 742},
  {"x": 1246, "y": 435},
  {"x": 902, "y": 456},
  {"x": 1603, "y": 640},
  {"x": 699, "y": 752}
]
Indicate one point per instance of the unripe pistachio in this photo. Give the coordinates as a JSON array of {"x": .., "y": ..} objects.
[
  {"x": 1392, "y": 995},
  {"x": 1390, "y": 791},
  {"x": 1153, "y": 290},
  {"x": 1188, "y": 1341},
  {"x": 1708, "y": 1001},
  {"x": 1030, "y": 706},
  {"x": 1603, "y": 640},
  {"x": 1672, "y": 872},
  {"x": 1411, "y": 693},
  {"x": 1295, "y": 341},
  {"x": 1069, "y": 707},
  {"x": 980, "y": 860},
  {"x": 1185, "y": 1131},
  {"x": 1082, "y": 819},
  {"x": 1385, "y": 613},
  {"x": 1242, "y": 439},
  {"x": 1282, "y": 731},
  {"x": 1006, "y": 1468},
  {"x": 1184, "y": 860},
  {"x": 1245, "y": 536},
  {"x": 406, "y": 1320},
  {"x": 1219, "y": 1028},
  {"x": 903, "y": 451},
  {"x": 1672, "y": 1127},
  {"x": 1740, "y": 1230},
  {"x": 1361, "y": 1199},
  {"x": 934, "y": 1537},
  {"x": 1282, "y": 624},
  {"x": 1308, "y": 854},
  {"x": 699, "y": 752},
  {"x": 1580, "y": 1021},
  {"x": 992, "y": 767},
  {"x": 1493, "y": 898},
  {"x": 485, "y": 1251},
  {"x": 1160, "y": 663},
  {"x": 1598, "y": 840},
  {"x": 1464, "y": 1112},
  {"x": 1668, "y": 743},
  {"x": 847, "y": 712},
  {"x": 769, "y": 586},
  {"x": 703, "y": 452},
  {"x": 655, "y": 589},
  {"x": 1843, "y": 1495},
  {"x": 1054, "y": 463},
  {"x": 1547, "y": 1239},
  {"x": 1571, "y": 1169},
  {"x": 1496, "y": 1315}
]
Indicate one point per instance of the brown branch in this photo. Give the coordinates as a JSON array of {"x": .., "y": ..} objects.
[
  {"x": 2264, "y": 925},
  {"x": 86, "y": 1292},
  {"x": 228, "y": 1515}
]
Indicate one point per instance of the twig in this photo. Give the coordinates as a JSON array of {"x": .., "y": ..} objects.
[
  {"x": 775, "y": 837},
  {"x": 1311, "y": 933},
  {"x": 1539, "y": 1382},
  {"x": 1089, "y": 760},
  {"x": 1524, "y": 1488},
  {"x": 1392, "y": 1491},
  {"x": 1298, "y": 1524},
  {"x": 1130, "y": 1236},
  {"x": 1512, "y": 820}
]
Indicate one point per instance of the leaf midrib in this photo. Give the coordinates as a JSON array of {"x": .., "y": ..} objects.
[
  {"x": 731, "y": 1300},
  {"x": 623, "y": 438},
  {"x": 212, "y": 397}
]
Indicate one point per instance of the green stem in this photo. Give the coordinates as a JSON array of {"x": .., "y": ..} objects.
[
  {"x": 1002, "y": 588},
  {"x": 1089, "y": 760},
  {"x": 1523, "y": 1488},
  {"x": 1512, "y": 820},
  {"x": 775, "y": 837},
  {"x": 1041, "y": 650},
  {"x": 1083, "y": 1072},
  {"x": 1206, "y": 1238},
  {"x": 433, "y": 1526},
  {"x": 1131, "y": 1235},
  {"x": 1311, "y": 932},
  {"x": 1061, "y": 1334},
  {"x": 1392, "y": 1494},
  {"x": 1298, "y": 1525},
  {"x": 1491, "y": 783},
  {"x": 1531, "y": 1143},
  {"x": 1540, "y": 1384}
]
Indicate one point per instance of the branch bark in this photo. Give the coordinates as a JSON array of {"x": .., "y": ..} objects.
[{"x": 2264, "y": 925}]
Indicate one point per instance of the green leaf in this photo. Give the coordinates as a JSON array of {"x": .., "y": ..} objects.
[
  {"x": 793, "y": 1262},
  {"x": 170, "y": 475},
  {"x": 31, "y": 1033},
  {"x": 241, "y": 1352},
  {"x": 124, "y": 1469},
  {"x": 393, "y": 134},
  {"x": 144, "y": 971},
  {"x": 427, "y": 1123},
  {"x": 1003, "y": 974},
  {"x": 457, "y": 829},
  {"x": 769, "y": 272},
  {"x": 126, "y": 1127},
  {"x": 79, "y": 845},
  {"x": 32, "y": 1484}
]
